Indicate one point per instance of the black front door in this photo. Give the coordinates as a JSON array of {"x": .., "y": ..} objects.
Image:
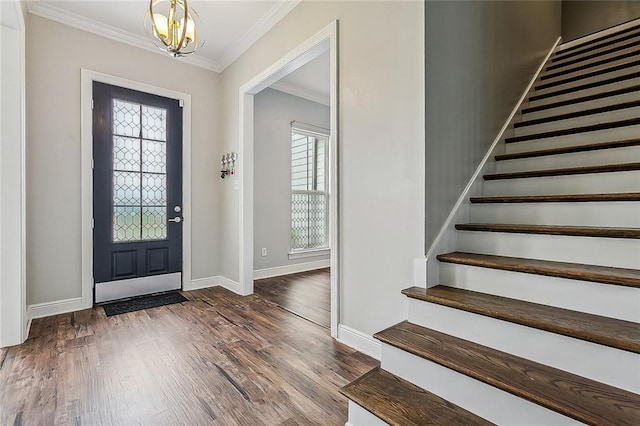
[{"x": 137, "y": 193}]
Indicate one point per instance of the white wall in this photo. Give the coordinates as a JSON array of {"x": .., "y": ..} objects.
[
  {"x": 55, "y": 55},
  {"x": 381, "y": 147},
  {"x": 273, "y": 113},
  {"x": 12, "y": 274}
]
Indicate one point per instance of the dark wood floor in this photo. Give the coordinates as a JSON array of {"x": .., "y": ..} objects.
[
  {"x": 217, "y": 359},
  {"x": 307, "y": 294}
]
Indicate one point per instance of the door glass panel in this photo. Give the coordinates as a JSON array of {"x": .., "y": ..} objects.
[{"x": 139, "y": 172}]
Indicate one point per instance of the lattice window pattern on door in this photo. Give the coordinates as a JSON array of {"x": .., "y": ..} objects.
[{"x": 139, "y": 172}]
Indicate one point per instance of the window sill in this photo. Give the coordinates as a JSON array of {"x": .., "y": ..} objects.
[{"x": 309, "y": 253}]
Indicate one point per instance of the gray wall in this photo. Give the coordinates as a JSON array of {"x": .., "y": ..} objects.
[
  {"x": 54, "y": 258},
  {"x": 480, "y": 57},
  {"x": 580, "y": 18},
  {"x": 273, "y": 113}
]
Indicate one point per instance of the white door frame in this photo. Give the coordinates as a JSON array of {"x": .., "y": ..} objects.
[
  {"x": 14, "y": 317},
  {"x": 310, "y": 49},
  {"x": 86, "y": 149}
]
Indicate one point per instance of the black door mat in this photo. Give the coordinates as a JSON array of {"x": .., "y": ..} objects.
[{"x": 143, "y": 302}]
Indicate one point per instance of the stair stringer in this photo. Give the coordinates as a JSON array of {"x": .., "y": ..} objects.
[{"x": 445, "y": 241}]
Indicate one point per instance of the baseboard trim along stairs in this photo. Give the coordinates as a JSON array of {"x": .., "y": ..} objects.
[{"x": 532, "y": 315}]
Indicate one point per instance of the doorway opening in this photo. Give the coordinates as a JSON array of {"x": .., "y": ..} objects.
[{"x": 321, "y": 48}]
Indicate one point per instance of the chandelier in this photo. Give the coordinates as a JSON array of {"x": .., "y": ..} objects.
[{"x": 174, "y": 27}]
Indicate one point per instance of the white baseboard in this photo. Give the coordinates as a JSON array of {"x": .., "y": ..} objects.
[
  {"x": 359, "y": 341},
  {"x": 290, "y": 269},
  {"x": 27, "y": 324},
  {"x": 218, "y": 280},
  {"x": 41, "y": 310},
  {"x": 420, "y": 272}
]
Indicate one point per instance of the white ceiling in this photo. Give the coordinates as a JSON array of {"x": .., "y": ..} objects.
[
  {"x": 231, "y": 26},
  {"x": 310, "y": 81}
]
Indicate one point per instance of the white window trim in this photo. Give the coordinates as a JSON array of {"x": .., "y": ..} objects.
[
  {"x": 303, "y": 254},
  {"x": 313, "y": 131}
]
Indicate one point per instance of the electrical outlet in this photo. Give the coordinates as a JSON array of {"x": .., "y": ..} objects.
[{"x": 264, "y": 251}]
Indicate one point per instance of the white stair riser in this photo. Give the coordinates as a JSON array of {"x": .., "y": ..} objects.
[
  {"x": 574, "y": 159},
  {"x": 591, "y": 69},
  {"x": 581, "y": 106},
  {"x": 585, "y": 92},
  {"x": 615, "y": 252},
  {"x": 595, "y": 298},
  {"x": 606, "y": 50},
  {"x": 568, "y": 184},
  {"x": 626, "y": 214},
  {"x": 605, "y": 117},
  {"x": 607, "y": 135},
  {"x": 589, "y": 80},
  {"x": 590, "y": 360},
  {"x": 475, "y": 396},
  {"x": 358, "y": 416}
]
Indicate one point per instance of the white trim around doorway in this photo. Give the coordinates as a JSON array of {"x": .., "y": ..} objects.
[
  {"x": 86, "y": 124},
  {"x": 325, "y": 40}
]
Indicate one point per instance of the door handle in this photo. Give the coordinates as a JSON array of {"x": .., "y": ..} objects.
[{"x": 176, "y": 219}]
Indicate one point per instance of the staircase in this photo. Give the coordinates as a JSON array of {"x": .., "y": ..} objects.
[{"x": 536, "y": 316}]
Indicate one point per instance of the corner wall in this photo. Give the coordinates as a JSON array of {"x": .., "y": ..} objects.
[
  {"x": 274, "y": 112},
  {"x": 480, "y": 55},
  {"x": 381, "y": 147}
]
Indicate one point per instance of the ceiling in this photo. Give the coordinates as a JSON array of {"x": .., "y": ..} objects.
[
  {"x": 230, "y": 26},
  {"x": 310, "y": 81}
]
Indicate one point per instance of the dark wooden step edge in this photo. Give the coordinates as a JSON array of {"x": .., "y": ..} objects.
[
  {"x": 574, "y": 130},
  {"x": 574, "y": 396},
  {"x": 600, "y": 39},
  {"x": 577, "y": 114},
  {"x": 572, "y": 52},
  {"x": 569, "y": 149},
  {"x": 553, "y": 66},
  {"x": 572, "y": 231},
  {"x": 399, "y": 402},
  {"x": 574, "y": 271},
  {"x": 607, "y": 168},
  {"x": 549, "y": 75},
  {"x": 581, "y": 99},
  {"x": 560, "y": 198},
  {"x": 586, "y": 75},
  {"x": 585, "y": 86}
]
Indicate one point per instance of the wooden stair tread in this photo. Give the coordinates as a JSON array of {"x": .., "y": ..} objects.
[
  {"x": 581, "y": 99},
  {"x": 583, "y": 48},
  {"x": 399, "y": 402},
  {"x": 602, "y": 82},
  {"x": 577, "y": 397},
  {"x": 559, "y": 198},
  {"x": 615, "y": 333},
  {"x": 576, "y": 271},
  {"x": 576, "y": 114},
  {"x": 552, "y": 72},
  {"x": 573, "y": 130},
  {"x": 569, "y": 149},
  {"x": 577, "y": 231},
  {"x": 605, "y": 168},
  {"x": 586, "y": 75}
]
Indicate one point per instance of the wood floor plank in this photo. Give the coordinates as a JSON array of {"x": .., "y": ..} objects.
[
  {"x": 606, "y": 331},
  {"x": 218, "y": 359},
  {"x": 594, "y": 273},
  {"x": 583, "y": 399},
  {"x": 307, "y": 294},
  {"x": 401, "y": 403}
]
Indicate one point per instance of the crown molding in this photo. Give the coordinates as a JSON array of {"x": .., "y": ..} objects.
[
  {"x": 48, "y": 11},
  {"x": 301, "y": 93},
  {"x": 260, "y": 28}
]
